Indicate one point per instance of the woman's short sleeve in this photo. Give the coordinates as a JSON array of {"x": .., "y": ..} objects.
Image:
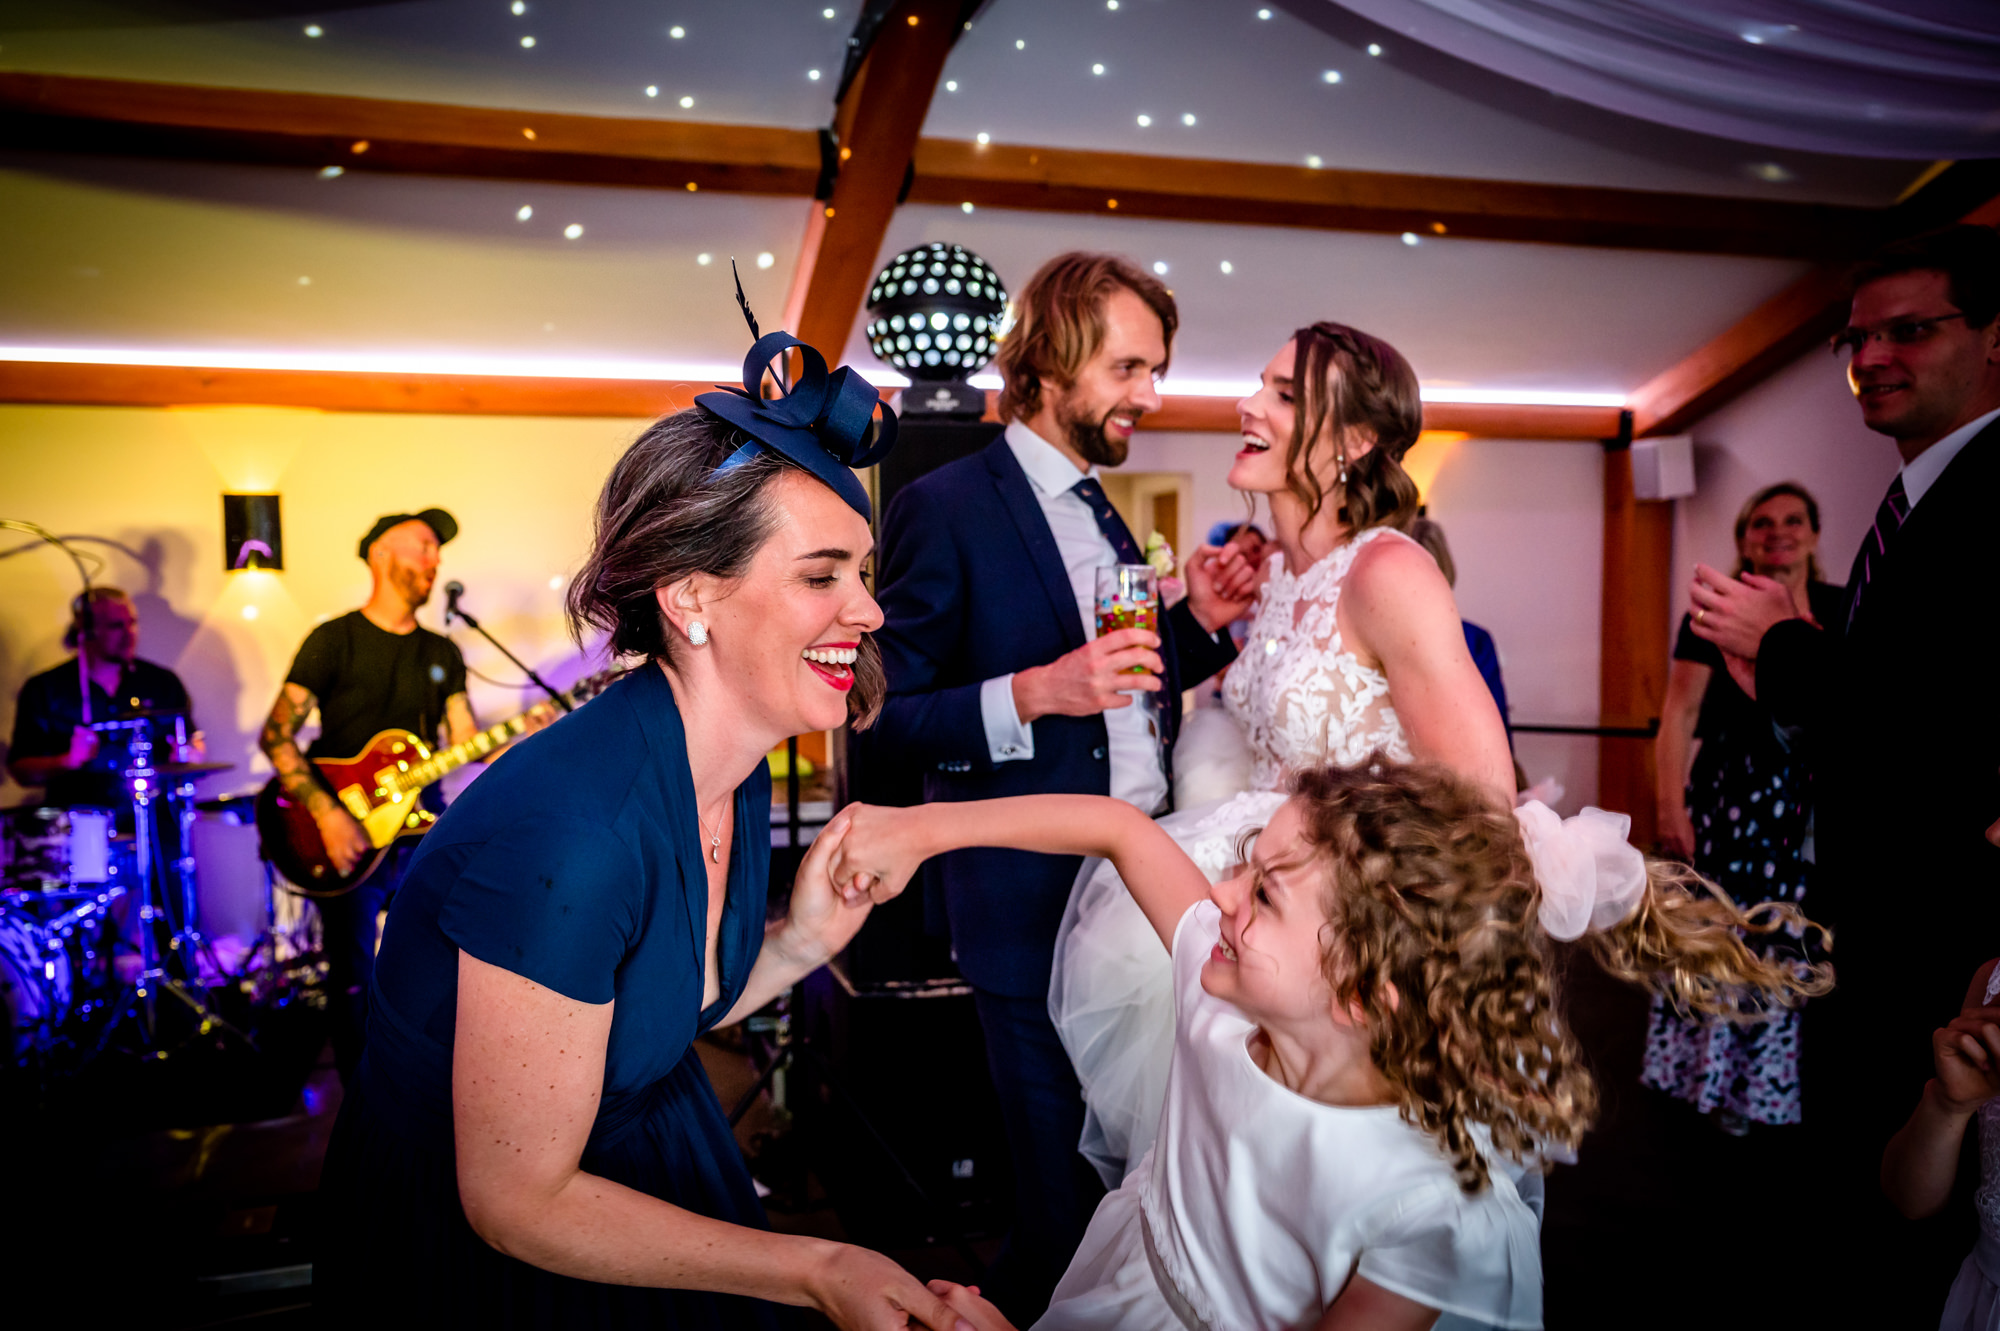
[
  {"x": 1476, "y": 1256},
  {"x": 558, "y": 901},
  {"x": 1691, "y": 646}
]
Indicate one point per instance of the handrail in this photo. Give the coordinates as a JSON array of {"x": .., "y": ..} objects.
[{"x": 1651, "y": 730}]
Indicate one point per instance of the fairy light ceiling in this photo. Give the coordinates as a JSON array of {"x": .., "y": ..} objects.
[{"x": 115, "y": 253}]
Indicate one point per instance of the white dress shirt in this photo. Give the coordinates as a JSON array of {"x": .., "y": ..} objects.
[
  {"x": 1137, "y": 776},
  {"x": 1920, "y": 475}
]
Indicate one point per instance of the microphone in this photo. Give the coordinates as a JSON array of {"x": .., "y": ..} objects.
[{"x": 452, "y": 591}]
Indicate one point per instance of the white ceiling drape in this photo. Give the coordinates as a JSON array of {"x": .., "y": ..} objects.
[{"x": 1873, "y": 78}]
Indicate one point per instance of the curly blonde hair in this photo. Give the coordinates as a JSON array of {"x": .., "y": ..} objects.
[{"x": 1433, "y": 938}]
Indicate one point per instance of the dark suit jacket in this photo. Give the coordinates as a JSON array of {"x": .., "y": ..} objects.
[
  {"x": 972, "y": 587},
  {"x": 1903, "y": 722}
]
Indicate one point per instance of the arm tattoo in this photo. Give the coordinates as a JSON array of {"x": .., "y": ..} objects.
[{"x": 295, "y": 772}]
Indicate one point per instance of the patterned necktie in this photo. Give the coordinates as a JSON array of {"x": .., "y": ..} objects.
[
  {"x": 1108, "y": 521},
  {"x": 1875, "y": 545}
]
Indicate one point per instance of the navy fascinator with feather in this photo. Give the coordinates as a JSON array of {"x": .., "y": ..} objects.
[{"x": 824, "y": 423}]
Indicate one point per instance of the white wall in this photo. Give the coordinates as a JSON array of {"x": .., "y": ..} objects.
[
  {"x": 1526, "y": 524},
  {"x": 1206, "y": 458},
  {"x": 1802, "y": 425}
]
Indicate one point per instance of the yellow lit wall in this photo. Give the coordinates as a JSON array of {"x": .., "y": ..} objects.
[{"x": 141, "y": 488}]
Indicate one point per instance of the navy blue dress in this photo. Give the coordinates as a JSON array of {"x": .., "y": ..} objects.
[
  {"x": 576, "y": 862},
  {"x": 1750, "y": 799}
]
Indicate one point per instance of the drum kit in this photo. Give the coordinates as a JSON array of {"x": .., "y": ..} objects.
[{"x": 100, "y": 942}]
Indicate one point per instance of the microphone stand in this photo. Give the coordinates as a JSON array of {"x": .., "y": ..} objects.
[{"x": 452, "y": 607}]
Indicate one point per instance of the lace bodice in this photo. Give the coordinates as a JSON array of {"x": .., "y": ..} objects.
[{"x": 1300, "y": 696}]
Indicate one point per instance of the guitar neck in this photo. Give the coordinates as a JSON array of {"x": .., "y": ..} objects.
[
  {"x": 483, "y": 745},
  {"x": 491, "y": 740}
]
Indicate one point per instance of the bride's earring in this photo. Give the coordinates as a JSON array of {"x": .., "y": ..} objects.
[
  {"x": 697, "y": 632},
  {"x": 1343, "y": 467}
]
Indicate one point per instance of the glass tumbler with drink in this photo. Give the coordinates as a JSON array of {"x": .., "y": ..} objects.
[{"x": 1128, "y": 597}]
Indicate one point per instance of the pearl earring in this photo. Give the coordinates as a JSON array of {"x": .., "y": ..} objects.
[{"x": 697, "y": 632}]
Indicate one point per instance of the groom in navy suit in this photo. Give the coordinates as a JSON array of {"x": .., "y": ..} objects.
[{"x": 996, "y": 687}]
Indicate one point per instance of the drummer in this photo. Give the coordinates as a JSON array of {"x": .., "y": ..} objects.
[{"x": 55, "y": 749}]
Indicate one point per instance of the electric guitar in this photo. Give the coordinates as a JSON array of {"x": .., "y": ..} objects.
[{"x": 379, "y": 787}]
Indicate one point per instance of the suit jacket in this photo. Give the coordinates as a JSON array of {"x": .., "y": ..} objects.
[
  {"x": 972, "y": 586},
  {"x": 1903, "y": 722}
]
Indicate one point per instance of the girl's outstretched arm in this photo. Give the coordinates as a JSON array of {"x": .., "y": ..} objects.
[
  {"x": 883, "y": 847},
  {"x": 1922, "y": 1159}
]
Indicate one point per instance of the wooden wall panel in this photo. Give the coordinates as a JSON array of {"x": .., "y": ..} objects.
[{"x": 1632, "y": 667}]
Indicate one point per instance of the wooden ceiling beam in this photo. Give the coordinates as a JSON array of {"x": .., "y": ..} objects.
[
  {"x": 61, "y": 113},
  {"x": 58, "y": 113},
  {"x": 60, "y": 384},
  {"x": 876, "y": 127},
  {"x": 951, "y": 171},
  {"x": 1808, "y": 311},
  {"x": 1483, "y": 420},
  {"x": 43, "y": 383}
]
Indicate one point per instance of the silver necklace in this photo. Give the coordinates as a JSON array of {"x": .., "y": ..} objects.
[{"x": 714, "y": 838}]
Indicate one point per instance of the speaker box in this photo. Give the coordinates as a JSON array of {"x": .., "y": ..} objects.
[
  {"x": 1663, "y": 467},
  {"x": 925, "y": 443},
  {"x": 900, "y": 1118}
]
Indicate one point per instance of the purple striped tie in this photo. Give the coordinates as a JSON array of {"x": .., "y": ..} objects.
[
  {"x": 1114, "y": 528},
  {"x": 1875, "y": 545}
]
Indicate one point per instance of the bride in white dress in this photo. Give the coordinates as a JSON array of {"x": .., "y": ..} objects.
[{"x": 1356, "y": 646}]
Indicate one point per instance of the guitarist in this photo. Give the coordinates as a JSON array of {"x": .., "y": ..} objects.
[{"x": 369, "y": 670}]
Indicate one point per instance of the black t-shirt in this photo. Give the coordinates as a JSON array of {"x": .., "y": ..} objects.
[
  {"x": 51, "y": 705},
  {"x": 368, "y": 680},
  {"x": 1725, "y": 706}
]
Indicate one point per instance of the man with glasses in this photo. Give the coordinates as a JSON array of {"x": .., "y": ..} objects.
[{"x": 1901, "y": 700}]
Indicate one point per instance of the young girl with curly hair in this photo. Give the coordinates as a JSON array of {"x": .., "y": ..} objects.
[{"x": 1369, "y": 1062}]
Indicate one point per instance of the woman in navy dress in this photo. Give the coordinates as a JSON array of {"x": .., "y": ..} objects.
[
  {"x": 531, "y": 1139},
  {"x": 1735, "y": 800}
]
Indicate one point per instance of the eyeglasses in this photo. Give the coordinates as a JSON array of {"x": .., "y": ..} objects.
[{"x": 1897, "y": 333}]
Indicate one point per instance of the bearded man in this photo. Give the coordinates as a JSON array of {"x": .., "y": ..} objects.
[
  {"x": 367, "y": 671},
  {"x": 997, "y": 687}
]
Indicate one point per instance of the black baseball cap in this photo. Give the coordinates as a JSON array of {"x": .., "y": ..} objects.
[{"x": 442, "y": 524}]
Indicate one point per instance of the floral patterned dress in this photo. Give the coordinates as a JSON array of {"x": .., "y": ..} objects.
[
  {"x": 1300, "y": 699},
  {"x": 1750, "y": 800}
]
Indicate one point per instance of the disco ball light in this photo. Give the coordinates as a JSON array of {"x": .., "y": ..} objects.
[{"x": 935, "y": 312}]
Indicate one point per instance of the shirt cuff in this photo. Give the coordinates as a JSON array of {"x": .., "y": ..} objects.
[{"x": 1007, "y": 739}]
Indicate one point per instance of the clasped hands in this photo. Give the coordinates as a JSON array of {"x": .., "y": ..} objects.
[
  {"x": 871, "y": 853},
  {"x": 1967, "y": 1056},
  {"x": 1735, "y": 614}
]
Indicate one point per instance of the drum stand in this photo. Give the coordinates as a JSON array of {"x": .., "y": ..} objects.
[{"x": 141, "y": 998}]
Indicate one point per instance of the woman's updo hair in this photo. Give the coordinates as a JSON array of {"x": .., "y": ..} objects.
[
  {"x": 664, "y": 515},
  {"x": 1344, "y": 379}
]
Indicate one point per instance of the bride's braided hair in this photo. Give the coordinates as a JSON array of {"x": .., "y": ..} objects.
[
  {"x": 1347, "y": 381},
  {"x": 1434, "y": 941}
]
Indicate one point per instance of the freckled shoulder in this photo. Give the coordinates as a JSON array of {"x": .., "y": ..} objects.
[{"x": 1390, "y": 570}]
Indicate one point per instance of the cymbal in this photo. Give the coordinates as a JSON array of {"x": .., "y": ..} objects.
[
  {"x": 190, "y": 769},
  {"x": 124, "y": 719}
]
